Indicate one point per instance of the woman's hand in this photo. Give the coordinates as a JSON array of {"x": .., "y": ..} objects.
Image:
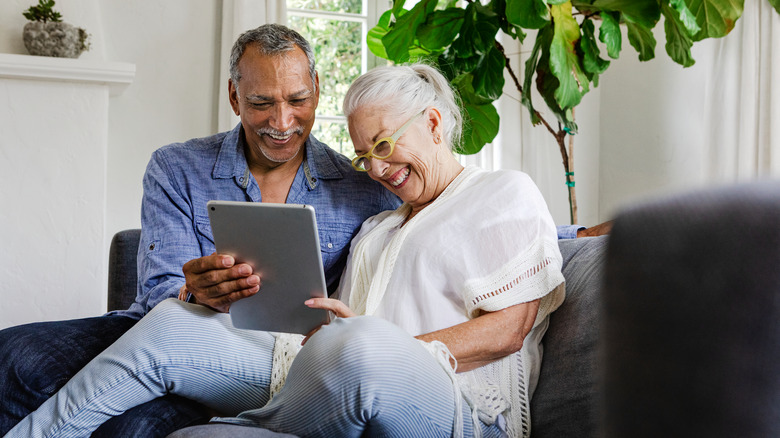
[{"x": 338, "y": 308}]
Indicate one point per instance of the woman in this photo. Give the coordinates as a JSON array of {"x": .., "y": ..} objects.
[{"x": 454, "y": 289}]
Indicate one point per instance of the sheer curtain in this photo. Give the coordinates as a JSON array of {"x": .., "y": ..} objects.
[
  {"x": 743, "y": 101},
  {"x": 237, "y": 17}
]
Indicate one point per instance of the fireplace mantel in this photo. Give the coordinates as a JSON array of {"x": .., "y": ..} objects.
[
  {"x": 117, "y": 75},
  {"x": 54, "y": 146}
]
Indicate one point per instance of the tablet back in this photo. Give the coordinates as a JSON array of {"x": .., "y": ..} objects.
[{"x": 281, "y": 243}]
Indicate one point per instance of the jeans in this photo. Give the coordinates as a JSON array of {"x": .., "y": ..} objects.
[
  {"x": 37, "y": 359},
  {"x": 356, "y": 377}
]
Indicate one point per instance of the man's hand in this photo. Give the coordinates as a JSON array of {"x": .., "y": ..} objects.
[
  {"x": 596, "y": 230},
  {"x": 217, "y": 282}
]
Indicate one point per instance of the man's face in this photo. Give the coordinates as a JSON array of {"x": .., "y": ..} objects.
[{"x": 276, "y": 102}]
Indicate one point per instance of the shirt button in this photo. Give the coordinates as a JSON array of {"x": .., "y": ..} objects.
[
  {"x": 330, "y": 245},
  {"x": 151, "y": 247}
]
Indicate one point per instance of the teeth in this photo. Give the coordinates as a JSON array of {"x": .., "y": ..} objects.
[
  {"x": 401, "y": 178},
  {"x": 280, "y": 137}
]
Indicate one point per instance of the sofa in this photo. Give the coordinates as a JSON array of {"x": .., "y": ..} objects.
[{"x": 670, "y": 327}]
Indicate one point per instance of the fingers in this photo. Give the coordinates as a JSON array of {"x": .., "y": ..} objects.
[
  {"x": 337, "y": 307},
  {"x": 217, "y": 281},
  {"x": 208, "y": 263}
]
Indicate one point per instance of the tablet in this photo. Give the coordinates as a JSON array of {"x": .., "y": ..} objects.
[{"x": 281, "y": 243}]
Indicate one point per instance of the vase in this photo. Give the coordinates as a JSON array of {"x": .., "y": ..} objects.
[{"x": 56, "y": 39}]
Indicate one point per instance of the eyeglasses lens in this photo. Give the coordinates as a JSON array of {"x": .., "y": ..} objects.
[{"x": 382, "y": 150}]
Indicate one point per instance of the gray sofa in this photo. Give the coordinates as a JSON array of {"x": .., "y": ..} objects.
[{"x": 670, "y": 327}]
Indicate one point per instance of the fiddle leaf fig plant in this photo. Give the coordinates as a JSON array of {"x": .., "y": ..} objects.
[{"x": 574, "y": 42}]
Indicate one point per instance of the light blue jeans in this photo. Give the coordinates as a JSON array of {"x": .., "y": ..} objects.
[{"x": 355, "y": 375}]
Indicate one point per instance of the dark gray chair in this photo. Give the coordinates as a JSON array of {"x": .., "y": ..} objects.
[{"x": 691, "y": 317}]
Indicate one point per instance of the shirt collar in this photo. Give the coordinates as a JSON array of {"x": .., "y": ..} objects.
[{"x": 231, "y": 161}]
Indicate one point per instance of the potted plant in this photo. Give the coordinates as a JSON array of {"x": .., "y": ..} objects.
[
  {"x": 47, "y": 35},
  {"x": 566, "y": 59}
]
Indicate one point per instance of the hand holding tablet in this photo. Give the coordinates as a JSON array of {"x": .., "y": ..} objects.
[{"x": 281, "y": 243}]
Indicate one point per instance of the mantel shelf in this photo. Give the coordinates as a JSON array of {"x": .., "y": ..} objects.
[{"x": 117, "y": 75}]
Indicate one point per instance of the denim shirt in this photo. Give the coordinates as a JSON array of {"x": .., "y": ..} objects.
[{"x": 182, "y": 177}]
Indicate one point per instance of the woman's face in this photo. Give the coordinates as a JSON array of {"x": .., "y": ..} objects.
[{"x": 412, "y": 172}]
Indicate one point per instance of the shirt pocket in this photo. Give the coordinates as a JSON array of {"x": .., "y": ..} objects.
[
  {"x": 204, "y": 235},
  {"x": 334, "y": 242}
]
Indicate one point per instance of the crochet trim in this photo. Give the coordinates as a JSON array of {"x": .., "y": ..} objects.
[{"x": 514, "y": 282}]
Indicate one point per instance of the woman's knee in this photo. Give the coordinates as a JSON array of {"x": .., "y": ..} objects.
[{"x": 361, "y": 345}]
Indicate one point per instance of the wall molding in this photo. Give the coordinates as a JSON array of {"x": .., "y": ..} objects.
[{"x": 117, "y": 75}]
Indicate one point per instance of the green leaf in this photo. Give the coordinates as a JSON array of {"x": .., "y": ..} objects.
[
  {"x": 440, "y": 29},
  {"x": 643, "y": 12},
  {"x": 591, "y": 61},
  {"x": 642, "y": 40},
  {"x": 513, "y": 30},
  {"x": 543, "y": 39},
  {"x": 547, "y": 84},
  {"x": 374, "y": 37},
  {"x": 564, "y": 60},
  {"x": 715, "y": 17},
  {"x": 684, "y": 15},
  {"x": 775, "y": 4},
  {"x": 398, "y": 6},
  {"x": 610, "y": 34},
  {"x": 489, "y": 74},
  {"x": 528, "y": 14},
  {"x": 477, "y": 37},
  {"x": 463, "y": 84},
  {"x": 401, "y": 36},
  {"x": 481, "y": 127},
  {"x": 678, "y": 41}
]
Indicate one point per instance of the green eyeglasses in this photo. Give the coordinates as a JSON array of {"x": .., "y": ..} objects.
[{"x": 383, "y": 148}]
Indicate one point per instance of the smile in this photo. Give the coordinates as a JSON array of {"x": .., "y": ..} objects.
[
  {"x": 280, "y": 137},
  {"x": 400, "y": 177}
]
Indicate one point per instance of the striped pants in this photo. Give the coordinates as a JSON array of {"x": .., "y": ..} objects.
[{"x": 355, "y": 376}]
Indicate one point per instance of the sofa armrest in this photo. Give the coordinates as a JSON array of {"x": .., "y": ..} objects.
[
  {"x": 122, "y": 269},
  {"x": 691, "y": 316}
]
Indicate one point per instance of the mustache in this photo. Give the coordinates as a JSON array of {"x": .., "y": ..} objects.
[{"x": 277, "y": 133}]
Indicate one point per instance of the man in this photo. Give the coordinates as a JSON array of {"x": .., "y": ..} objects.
[{"x": 269, "y": 157}]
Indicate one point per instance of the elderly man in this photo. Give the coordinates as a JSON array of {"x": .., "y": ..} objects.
[{"x": 269, "y": 157}]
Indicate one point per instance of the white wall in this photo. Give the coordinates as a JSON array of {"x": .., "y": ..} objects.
[
  {"x": 652, "y": 124},
  {"x": 174, "y": 45}
]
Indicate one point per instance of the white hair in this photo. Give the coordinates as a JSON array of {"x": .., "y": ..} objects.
[{"x": 407, "y": 90}]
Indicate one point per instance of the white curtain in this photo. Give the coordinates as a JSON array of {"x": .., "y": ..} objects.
[
  {"x": 237, "y": 17},
  {"x": 743, "y": 102}
]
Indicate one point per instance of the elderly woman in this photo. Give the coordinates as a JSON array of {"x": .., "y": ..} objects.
[{"x": 441, "y": 307}]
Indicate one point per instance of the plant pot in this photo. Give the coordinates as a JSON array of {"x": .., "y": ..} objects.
[{"x": 58, "y": 39}]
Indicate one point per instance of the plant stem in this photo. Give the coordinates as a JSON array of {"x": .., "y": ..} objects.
[{"x": 560, "y": 138}]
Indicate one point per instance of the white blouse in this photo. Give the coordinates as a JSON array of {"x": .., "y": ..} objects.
[{"x": 486, "y": 243}]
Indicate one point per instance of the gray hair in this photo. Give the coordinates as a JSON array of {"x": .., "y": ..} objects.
[
  {"x": 408, "y": 89},
  {"x": 271, "y": 39}
]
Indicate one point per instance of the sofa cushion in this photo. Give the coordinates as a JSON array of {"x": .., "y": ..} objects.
[
  {"x": 122, "y": 269},
  {"x": 564, "y": 402}
]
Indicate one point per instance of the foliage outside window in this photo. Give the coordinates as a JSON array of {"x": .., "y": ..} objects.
[{"x": 337, "y": 31}]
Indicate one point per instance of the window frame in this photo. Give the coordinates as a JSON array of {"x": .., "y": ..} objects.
[{"x": 372, "y": 11}]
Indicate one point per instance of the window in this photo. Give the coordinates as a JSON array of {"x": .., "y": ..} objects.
[{"x": 337, "y": 31}]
